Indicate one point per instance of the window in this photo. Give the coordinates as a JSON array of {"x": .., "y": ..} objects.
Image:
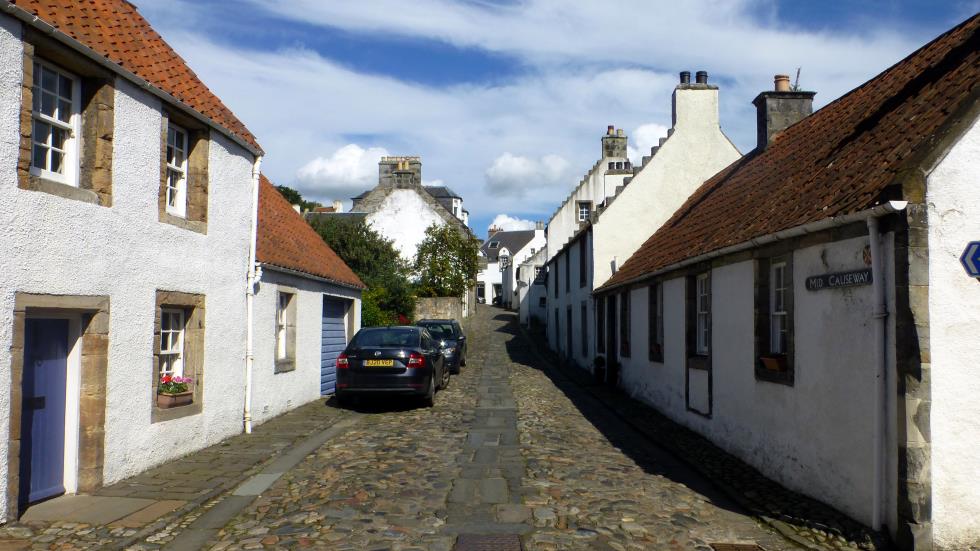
[
  {"x": 585, "y": 330},
  {"x": 583, "y": 262},
  {"x": 568, "y": 272},
  {"x": 537, "y": 272},
  {"x": 542, "y": 302},
  {"x": 584, "y": 210},
  {"x": 777, "y": 308},
  {"x": 171, "y": 342},
  {"x": 774, "y": 319},
  {"x": 54, "y": 124},
  {"x": 568, "y": 332},
  {"x": 703, "y": 305},
  {"x": 554, "y": 268},
  {"x": 176, "y": 171},
  {"x": 656, "y": 314},
  {"x": 494, "y": 245},
  {"x": 600, "y": 326},
  {"x": 285, "y": 332},
  {"x": 624, "y": 325}
]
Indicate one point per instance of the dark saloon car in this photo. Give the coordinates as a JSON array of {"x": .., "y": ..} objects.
[
  {"x": 392, "y": 360},
  {"x": 451, "y": 339}
]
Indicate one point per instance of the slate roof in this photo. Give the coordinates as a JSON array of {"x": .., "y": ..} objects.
[
  {"x": 441, "y": 192},
  {"x": 285, "y": 240},
  {"x": 513, "y": 240},
  {"x": 117, "y": 31},
  {"x": 844, "y": 158}
]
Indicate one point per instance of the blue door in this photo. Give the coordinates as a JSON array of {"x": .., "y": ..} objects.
[
  {"x": 42, "y": 446},
  {"x": 333, "y": 340}
]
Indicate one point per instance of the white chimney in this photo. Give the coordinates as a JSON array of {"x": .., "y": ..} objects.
[
  {"x": 695, "y": 105},
  {"x": 338, "y": 206}
]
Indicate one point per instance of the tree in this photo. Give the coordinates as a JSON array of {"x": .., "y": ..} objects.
[
  {"x": 295, "y": 198},
  {"x": 447, "y": 262},
  {"x": 389, "y": 299}
]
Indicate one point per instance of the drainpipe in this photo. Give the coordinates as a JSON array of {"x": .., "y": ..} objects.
[
  {"x": 254, "y": 274},
  {"x": 880, "y": 316}
]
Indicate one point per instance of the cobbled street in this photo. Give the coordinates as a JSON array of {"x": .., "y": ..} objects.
[{"x": 505, "y": 450}]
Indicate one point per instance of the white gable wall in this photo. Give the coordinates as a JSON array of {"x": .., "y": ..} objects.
[
  {"x": 954, "y": 303},
  {"x": 403, "y": 217}
]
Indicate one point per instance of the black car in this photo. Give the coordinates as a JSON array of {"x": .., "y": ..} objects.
[
  {"x": 392, "y": 360},
  {"x": 451, "y": 338}
]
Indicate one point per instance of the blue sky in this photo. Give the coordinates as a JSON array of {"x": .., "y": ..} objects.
[{"x": 506, "y": 100}]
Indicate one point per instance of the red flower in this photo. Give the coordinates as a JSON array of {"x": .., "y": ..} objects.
[{"x": 166, "y": 379}]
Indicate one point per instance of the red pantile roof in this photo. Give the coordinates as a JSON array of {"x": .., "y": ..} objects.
[
  {"x": 287, "y": 241},
  {"x": 116, "y": 30},
  {"x": 840, "y": 160}
]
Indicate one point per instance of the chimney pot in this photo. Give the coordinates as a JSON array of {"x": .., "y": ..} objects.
[
  {"x": 685, "y": 77},
  {"x": 610, "y": 130},
  {"x": 781, "y": 83},
  {"x": 619, "y": 133},
  {"x": 702, "y": 77}
]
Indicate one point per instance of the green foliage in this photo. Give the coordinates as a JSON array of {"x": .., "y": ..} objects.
[
  {"x": 295, "y": 198},
  {"x": 447, "y": 262},
  {"x": 389, "y": 299}
]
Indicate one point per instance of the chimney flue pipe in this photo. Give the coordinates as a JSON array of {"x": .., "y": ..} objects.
[
  {"x": 781, "y": 83},
  {"x": 701, "y": 77},
  {"x": 685, "y": 77}
]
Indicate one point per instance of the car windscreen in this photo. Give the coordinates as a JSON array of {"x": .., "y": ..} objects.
[
  {"x": 386, "y": 338},
  {"x": 440, "y": 331}
]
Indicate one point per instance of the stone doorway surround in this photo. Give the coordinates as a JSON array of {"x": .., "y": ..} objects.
[{"x": 94, "y": 311}]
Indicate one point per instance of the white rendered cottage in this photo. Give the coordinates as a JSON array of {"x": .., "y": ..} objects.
[
  {"x": 127, "y": 199},
  {"x": 608, "y": 233},
  {"x": 806, "y": 309},
  {"x": 306, "y": 308}
]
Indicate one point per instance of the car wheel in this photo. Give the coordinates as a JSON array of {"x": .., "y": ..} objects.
[
  {"x": 462, "y": 360},
  {"x": 445, "y": 378},
  {"x": 430, "y": 398}
]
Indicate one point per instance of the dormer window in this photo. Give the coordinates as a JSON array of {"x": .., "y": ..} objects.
[
  {"x": 494, "y": 244},
  {"x": 584, "y": 210}
]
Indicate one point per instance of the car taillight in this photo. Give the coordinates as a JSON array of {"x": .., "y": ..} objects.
[
  {"x": 416, "y": 360},
  {"x": 342, "y": 362}
]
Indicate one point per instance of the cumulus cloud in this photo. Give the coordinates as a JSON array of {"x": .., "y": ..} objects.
[
  {"x": 347, "y": 172},
  {"x": 514, "y": 175},
  {"x": 511, "y": 223},
  {"x": 643, "y": 138}
]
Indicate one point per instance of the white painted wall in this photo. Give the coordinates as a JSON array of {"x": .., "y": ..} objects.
[
  {"x": 954, "y": 303},
  {"x": 403, "y": 217},
  {"x": 571, "y": 293},
  {"x": 814, "y": 437},
  {"x": 490, "y": 276},
  {"x": 509, "y": 274},
  {"x": 58, "y": 246},
  {"x": 276, "y": 393},
  {"x": 529, "y": 294},
  {"x": 696, "y": 151}
]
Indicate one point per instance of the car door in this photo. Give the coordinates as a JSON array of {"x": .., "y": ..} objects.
[
  {"x": 460, "y": 339},
  {"x": 432, "y": 353}
]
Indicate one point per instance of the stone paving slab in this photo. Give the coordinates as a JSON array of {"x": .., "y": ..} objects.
[{"x": 85, "y": 509}]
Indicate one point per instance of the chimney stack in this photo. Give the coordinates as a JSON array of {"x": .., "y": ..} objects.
[
  {"x": 338, "y": 206},
  {"x": 614, "y": 142},
  {"x": 695, "y": 105},
  {"x": 779, "y": 109}
]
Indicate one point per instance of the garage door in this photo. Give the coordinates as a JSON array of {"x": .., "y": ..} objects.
[{"x": 333, "y": 340}]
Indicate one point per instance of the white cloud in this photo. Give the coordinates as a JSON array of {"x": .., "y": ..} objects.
[
  {"x": 510, "y": 223},
  {"x": 514, "y": 175},
  {"x": 347, "y": 172},
  {"x": 643, "y": 138}
]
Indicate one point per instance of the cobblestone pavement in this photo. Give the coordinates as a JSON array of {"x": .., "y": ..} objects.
[
  {"x": 510, "y": 448},
  {"x": 504, "y": 450}
]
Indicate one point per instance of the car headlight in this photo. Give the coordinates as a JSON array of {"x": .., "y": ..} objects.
[{"x": 449, "y": 351}]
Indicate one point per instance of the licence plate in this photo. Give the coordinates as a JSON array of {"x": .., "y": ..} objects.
[{"x": 379, "y": 363}]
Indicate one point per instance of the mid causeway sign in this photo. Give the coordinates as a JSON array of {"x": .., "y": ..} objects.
[{"x": 840, "y": 279}]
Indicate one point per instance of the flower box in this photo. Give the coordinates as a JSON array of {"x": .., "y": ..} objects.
[
  {"x": 167, "y": 401},
  {"x": 774, "y": 363}
]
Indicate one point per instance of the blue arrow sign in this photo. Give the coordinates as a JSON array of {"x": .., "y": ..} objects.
[{"x": 971, "y": 259}]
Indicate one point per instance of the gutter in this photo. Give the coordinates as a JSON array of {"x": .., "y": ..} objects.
[
  {"x": 811, "y": 227},
  {"x": 52, "y": 31},
  {"x": 252, "y": 281},
  {"x": 298, "y": 273}
]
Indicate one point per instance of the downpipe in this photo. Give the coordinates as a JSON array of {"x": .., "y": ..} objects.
[{"x": 252, "y": 281}]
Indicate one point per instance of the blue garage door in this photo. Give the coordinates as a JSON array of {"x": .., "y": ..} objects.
[{"x": 332, "y": 342}]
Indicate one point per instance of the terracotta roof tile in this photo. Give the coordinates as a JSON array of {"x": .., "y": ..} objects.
[
  {"x": 115, "y": 29},
  {"x": 840, "y": 160},
  {"x": 287, "y": 241}
]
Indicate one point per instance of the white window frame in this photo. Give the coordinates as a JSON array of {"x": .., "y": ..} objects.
[
  {"x": 179, "y": 208},
  {"x": 69, "y": 176},
  {"x": 778, "y": 327},
  {"x": 172, "y": 342},
  {"x": 283, "y": 301},
  {"x": 584, "y": 207},
  {"x": 702, "y": 299}
]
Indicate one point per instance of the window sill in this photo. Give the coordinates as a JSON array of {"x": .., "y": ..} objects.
[
  {"x": 285, "y": 366},
  {"x": 774, "y": 369},
  {"x": 191, "y": 225},
  {"x": 701, "y": 363},
  {"x": 66, "y": 191},
  {"x": 160, "y": 415}
]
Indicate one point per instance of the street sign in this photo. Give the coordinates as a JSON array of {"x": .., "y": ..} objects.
[
  {"x": 971, "y": 259},
  {"x": 837, "y": 280}
]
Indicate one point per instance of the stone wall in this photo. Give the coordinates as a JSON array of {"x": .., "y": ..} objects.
[{"x": 439, "y": 308}]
